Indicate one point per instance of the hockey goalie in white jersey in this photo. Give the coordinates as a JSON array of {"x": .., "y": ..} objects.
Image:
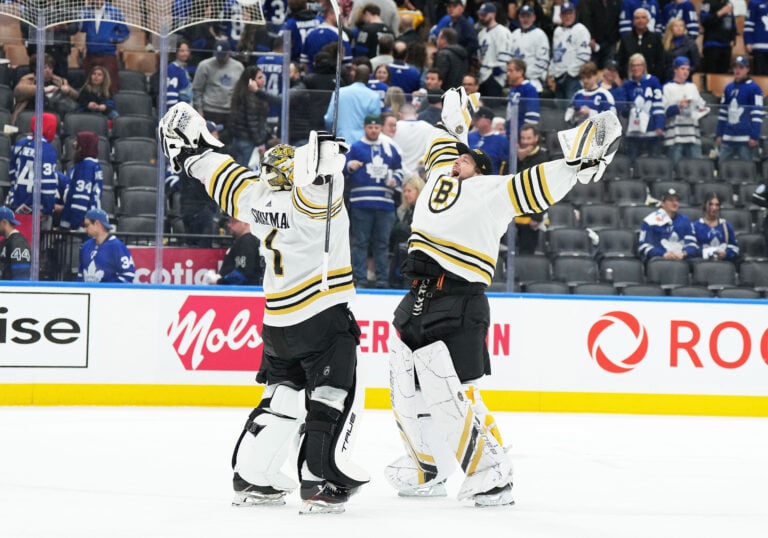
[
  {"x": 310, "y": 336},
  {"x": 443, "y": 321}
]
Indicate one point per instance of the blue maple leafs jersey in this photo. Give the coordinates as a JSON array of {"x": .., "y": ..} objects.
[{"x": 109, "y": 262}]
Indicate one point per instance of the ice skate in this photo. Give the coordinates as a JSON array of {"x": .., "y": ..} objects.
[
  {"x": 247, "y": 494},
  {"x": 323, "y": 497},
  {"x": 498, "y": 496},
  {"x": 432, "y": 490}
]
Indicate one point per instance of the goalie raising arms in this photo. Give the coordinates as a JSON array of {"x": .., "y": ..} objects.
[
  {"x": 310, "y": 335},
  {"x": 443, "y": 321}
]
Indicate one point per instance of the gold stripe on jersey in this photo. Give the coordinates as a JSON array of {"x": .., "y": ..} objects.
[
  {"x": 442, "y": 151},
  {"x": 582, "y": 142},
  {"x": 298, "y": 297},
  {"x": 528, "y": 191},
  {"x": 313, "y": 210},
  {"x": 227, "y": 183},
  {"x": 454, "y": 253}
]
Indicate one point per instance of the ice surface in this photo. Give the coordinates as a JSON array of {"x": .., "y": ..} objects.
[{"x": 112, "y": 472}]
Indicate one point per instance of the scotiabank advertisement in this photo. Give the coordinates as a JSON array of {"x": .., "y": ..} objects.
[
  {"x": 180, "y": 265},
  {"x": 212, "y": 336}
]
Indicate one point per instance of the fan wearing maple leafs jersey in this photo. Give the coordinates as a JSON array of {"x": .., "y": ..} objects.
[{"x": 104, "y": 258}]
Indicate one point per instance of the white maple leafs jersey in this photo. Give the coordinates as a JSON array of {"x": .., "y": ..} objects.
[
  {"x": 291, "y": 228},
  {"x": 458, "y": 223}
]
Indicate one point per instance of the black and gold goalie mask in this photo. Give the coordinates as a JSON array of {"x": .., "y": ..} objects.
[{"x": 277, "y": 167}]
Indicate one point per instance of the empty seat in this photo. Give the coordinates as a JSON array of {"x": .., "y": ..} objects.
[
  {"x": 133, "y": 81},
  {"x": 682, "y": 188},
  {"x": 599, "y": 216},
  {"x": 561, "y": 215},
  {"x": 108, "y": 174},
  {"x": 108, "y": 202},
  {"x": 553, "y": 118},
  {"x": 621, "y": 272},
  {"x": 5, "y": 180},
  {"x": 738, "y": 171},
  {"x": 591, "y": 288},
  {"x": 6, "y": 97},
  {"x": 739, "y": 293},
  {"x": 620, "y": 168},
  {"x": 744, "y": 192},
  {"x": 708, "y": 124},
  {"x": 644, "y": 290},
  {"x": 569, "y": 242},
  {"x": 668, "y": 273},
  {"x": 740, "y": 219},
  {"x": 134, "y": 149},
  {"x": 76, "y": 122},
  {"x": 136, "y": 174},
  {"x": 137, "y": 202},
  {"x": 532, "y": 267},
  {"x": 723, "y": 190},
  {"x": 754, "y": 274},
  {"x": 690, "y": 169},
  {"x": 143, "y": 224},
  {"x": 5, "y": 145},
  {"x": 591, "y": 193},
  {"x": 627, "y": 192},
  {"x": 714, "y": 274},
  {"x": 574, "y": 270},
  {"x": 549, "y": 287},
  {"x": 137, "y": 103},
  {"x": 653, "y": 168},
  {"x": 24, "y": 121},
  {"x": 690, "y": 291},
  {"x": 752, "y": 246},
  {"x": 617, "y": 243},
  {"x": 130, "y": 126},
  {"x": 632, "y": 216},
  {"x": 692, "y": 212}
]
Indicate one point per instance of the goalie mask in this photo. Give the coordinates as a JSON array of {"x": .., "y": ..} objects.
[{"x": 277, "y": 167}]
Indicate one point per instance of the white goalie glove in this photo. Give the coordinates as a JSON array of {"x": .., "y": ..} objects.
[
  {"x": 183, "y": 133},
  {"x": 458, "y": 108},
  {"x": 592, "y": 145},
  {"x": 321, "y": 157}
]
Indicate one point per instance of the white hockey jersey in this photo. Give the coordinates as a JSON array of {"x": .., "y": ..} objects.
[
  {"x": 291, "y": 228},
  {"x": 532, "y": 46},
  {"x": 458, "y": 223}
]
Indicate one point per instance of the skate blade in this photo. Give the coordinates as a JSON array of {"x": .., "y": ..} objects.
[
  {"x": 438, "y": 490},
  {"x": 320, "y": 507},
  {"x": 244, "y": 500},
  {"x": 501, "y": 498}
]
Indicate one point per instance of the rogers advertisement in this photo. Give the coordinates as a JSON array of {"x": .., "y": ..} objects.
[{"x": 180, "y": 265}]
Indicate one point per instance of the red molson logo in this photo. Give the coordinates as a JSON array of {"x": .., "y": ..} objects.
[{"x": 219, "y": 333}]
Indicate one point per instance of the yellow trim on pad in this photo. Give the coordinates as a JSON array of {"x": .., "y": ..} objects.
[{"x": 378, "y": 398}]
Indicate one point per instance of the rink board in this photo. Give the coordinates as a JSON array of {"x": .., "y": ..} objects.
[{"x": 68, "y": 344}]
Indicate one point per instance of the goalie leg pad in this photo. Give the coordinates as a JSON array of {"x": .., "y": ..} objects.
[
  {"x": 265, "y": 442},
  {"x": 329, "y": 436},
  {"x": 479, "y": 453},
  {"x": 423, "y": 471}
]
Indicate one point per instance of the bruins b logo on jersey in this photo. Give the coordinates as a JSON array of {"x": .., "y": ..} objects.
[{"x": 444, "y": 194}]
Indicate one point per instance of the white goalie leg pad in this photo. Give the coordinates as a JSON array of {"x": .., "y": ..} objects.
[
  {"x": 480, "y": 455},
  {"x": 266, "y": 444},
  {"x": 428, "y": 462},
  {"x": 593, "y": 144}
]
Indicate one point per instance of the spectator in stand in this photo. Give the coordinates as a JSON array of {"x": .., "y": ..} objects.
[
  {"x": 756, "y": 36},
  {"x": 320, "y": 85},
  {"x": 451, "y": 59},
  {"x": 214, "y": 84},
  {"x": 683, "y": 10},
  {"x": 591, "y": 99},
  {"x": 300, "y": 21},
  {"x": 178, "y": 87},
  {"x": 393, "y": 100},
  {"x": 529, "y": 154},
  {"x": 59, "y": 96},
  {"x": 432, "y": 114},
  {"x": 248, "y": 116},
  {"x": 384, "y": 57},
  {"x": 719, "y": 35},
  {"x": 241, "y": 265},
  {"x": 522, "y": 95},
  {"x": 95, "y": 96},
  {"x": 472, "y": 84},
  {"x": 401, "y": 74},
  {"x": 433, "y": 80},
  {"x": 85, "y": 184},
  {"x": 612, "y": 82},
  {"x": 380, "y": 82},
  {"x": 455, "y": 18},
  {"x": 666, "y": 233},
  {"x": 494, "y": 53},
  {"x": 601, "y": 17},
  {"x": 483, "y": 137},
  {"x": 15, "y": 255},
  {"x": 499, "y": 125},
  {"x": 412, "y": 137},
  {"x": 645, "y": 127},
  {"x": 741, "y": 115},
  {"x": 408, "y": 32},
  {"x": 371, "y": 28},
  {"x": 21, "y": 172},
  {"x": 416, "y": 55},
  {"x": 58, "y": 42},
  {"x": 356, "y": 102},
  {"x": 570, "y": 51},
  {"x": 318, "y": 37},
  {"x": 104, "y": 27},
  {"x": 531, "y": 44},
  {"x": 387, "y": 8},
  {"x": 401, "y": 230},
  {"x": 641, "y": 40},
  {"x": 683, "y": 106},
  {"x": 715, "y": 235},
  {"x": 103, "y": 257},
  {"x": 676, "y": 43},
  {"x": 374, "y": 171},
  {"x": 201, "y": 36},
  {"x": 627, "y": 15}
]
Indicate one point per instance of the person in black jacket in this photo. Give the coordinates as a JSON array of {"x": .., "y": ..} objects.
[
  {"x": 242, "y": 264},
  {"x": 719, "y": 35},
  {"x": 15, "y": 257},
  {"x": 601, "y": 17},
  {"x": 451, "y": 59},
  {"x": 644, "y": 41}
]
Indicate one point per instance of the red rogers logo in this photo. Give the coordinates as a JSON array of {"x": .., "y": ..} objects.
[
  {"x": 218, "y": 333},
  {"x": 596, "y": 352}
]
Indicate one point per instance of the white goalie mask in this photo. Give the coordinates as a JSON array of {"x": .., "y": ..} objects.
[{"x": 277, "y": 167}]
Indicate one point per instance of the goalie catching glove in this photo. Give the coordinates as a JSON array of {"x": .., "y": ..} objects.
[{"x": 183, "y": 133}]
